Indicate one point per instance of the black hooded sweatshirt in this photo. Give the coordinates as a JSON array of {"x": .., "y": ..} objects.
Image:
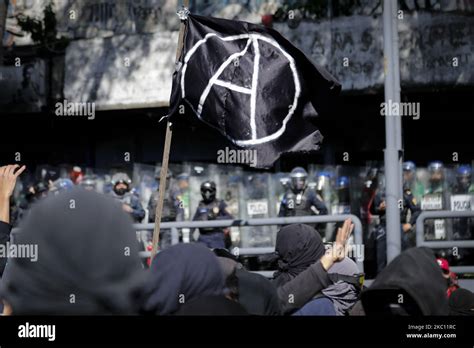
[
  {"x": 416, "y": 273},
  {"x": 180, "y": 274},
  {"x": 255, "y": 292},
  {"x": 87, "y": 261},
  {"x": 461, "y": 302},
  {"x": 300, "y": 274}
]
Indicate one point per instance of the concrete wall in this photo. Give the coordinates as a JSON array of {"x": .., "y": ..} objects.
[
  {"x": 124, "y": 71},
  {"x": 429, "y": 44},
  {"x": 104, "y": 18},
  {"x": 23, "y": 88},
  {"x": 349, "y": 47},
  {"x": 122, "y": 52}
]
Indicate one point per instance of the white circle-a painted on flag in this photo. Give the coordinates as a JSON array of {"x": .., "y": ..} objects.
[{"x": 252, "y": 39}]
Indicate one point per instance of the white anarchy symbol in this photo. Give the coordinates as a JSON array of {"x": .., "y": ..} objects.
[{"x": 252, "y": 39}]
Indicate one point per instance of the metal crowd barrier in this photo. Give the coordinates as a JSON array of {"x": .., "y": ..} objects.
[
  {"x": 443, "y": 214},
  {"x": 174, "y": 226}
]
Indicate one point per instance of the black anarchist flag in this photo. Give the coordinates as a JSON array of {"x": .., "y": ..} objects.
[{"x": 253, "y": 86}]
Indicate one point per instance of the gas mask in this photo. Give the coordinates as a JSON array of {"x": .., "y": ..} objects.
[{"x": 208, "y": 195}]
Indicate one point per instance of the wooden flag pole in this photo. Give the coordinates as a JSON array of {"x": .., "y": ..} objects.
[{"x": 166, "y": 152}]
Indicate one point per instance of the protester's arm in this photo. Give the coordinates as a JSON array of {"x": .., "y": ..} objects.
[
  {"x": 8, "y": 178},
  {"x": 298, "y": 291}
]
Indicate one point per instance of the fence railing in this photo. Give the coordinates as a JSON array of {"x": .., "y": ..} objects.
[
  {"x": 174, "y": 226},
  {"x": 441, "y": 244}
]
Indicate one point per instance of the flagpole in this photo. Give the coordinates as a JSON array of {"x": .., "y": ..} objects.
[
  {"x": 392, "y": 153},
  {"x": 166, "y": 150}
]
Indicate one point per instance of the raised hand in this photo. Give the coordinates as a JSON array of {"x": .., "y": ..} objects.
[
  {"x": 338, "y": 251},
  {"x": 8, "y": 176},
  {"x": 343, "y": 234}
]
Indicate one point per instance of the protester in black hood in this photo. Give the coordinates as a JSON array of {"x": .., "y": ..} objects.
[
  {"x": 412, "y": 284},
  {"x": 180, "y": 274},
  {"x": 461, "y": 302},
  {"x": 254, "y": 292},
  {"x": 298, "y": 246},
  {"x": 87, "y": 259},
  {"x": 303, "y": 263},
  {"x": 257, "y": 294}
]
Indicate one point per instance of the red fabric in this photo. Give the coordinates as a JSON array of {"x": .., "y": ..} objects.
[
  {"x": 443, "y": 263},
  {"x": 453, "y": 283}
]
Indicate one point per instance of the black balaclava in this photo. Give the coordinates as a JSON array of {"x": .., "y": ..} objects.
[{"x": 298, "y": 246}]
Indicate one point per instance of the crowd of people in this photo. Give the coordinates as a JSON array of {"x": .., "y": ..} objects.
[{"x": 88, "y": 264}]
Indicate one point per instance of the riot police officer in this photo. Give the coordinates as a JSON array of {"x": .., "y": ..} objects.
[
  {"x": 343, "y": 196},
  {"x": 211, "y": 208},
  {"x": 172, "y": 208},
  {"x": 89, "y": 182},
  {"x": 298, "y": 200},
  {"x": 411, "y": 210},
  {"x": 436, "y": 170},
  {"x": 378, "y": 207},
  {"x": 61, "y": 185},
  {"x": 463, "y": 180},
  {"x": 121, "y": 185},
  {"x": 435, "y": 198},
  {"x": 461, "y": 200}
]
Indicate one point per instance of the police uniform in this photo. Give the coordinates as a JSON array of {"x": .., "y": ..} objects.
[
  {"x": 138, "y": 213},
  {"x": 408, "y": 215},
  {"x": 463, "y": 229},
  {"x": 379, "y": 232},
  {"x": 304, "y": 204},
  {"x": 214, "y": 210}
]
